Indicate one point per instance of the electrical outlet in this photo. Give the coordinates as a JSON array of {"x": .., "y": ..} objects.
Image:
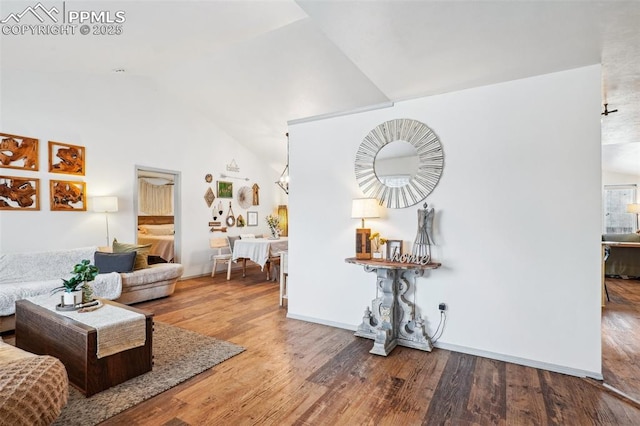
[{"x": 442, "y": 306}]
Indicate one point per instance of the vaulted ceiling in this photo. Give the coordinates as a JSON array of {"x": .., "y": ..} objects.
[{"x": 251, "y": 66}]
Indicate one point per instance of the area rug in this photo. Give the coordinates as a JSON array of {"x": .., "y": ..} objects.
[{"x": 179, "y": 354}]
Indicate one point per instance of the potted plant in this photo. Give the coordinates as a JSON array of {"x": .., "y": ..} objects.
[{"x": 76, "y": 289}]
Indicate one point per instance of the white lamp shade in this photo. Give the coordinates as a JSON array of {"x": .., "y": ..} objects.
[
  {"x": 633, "y": 208},
  {"x": 105, "y": 204},
  {"x": 364, "y": 208}
]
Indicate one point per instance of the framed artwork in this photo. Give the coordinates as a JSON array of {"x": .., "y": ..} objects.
[
  {"x": 18, "y": 152},
  {"x": 68, "y": 196},
  {"x": 67, "y": 159},
  {"x": 225, "y": 189},
  {"x": 19, "y": 193},
  {"x": 252, "y": 218},
  {"x": 393, "y": 247}
]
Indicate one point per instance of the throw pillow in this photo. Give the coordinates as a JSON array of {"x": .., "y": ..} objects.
[
  {"x": 114, "y": 262},
  {"x": 141, "y": 256}
]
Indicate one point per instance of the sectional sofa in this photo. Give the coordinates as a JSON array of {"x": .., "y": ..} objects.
[{"x": 30, "y": 274}]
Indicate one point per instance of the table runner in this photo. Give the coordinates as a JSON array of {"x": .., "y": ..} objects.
[{"x": 117, "y": 329}]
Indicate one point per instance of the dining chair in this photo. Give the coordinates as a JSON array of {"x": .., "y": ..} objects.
[
  {"x": 224, "y": 253},
  {"x": 284, "y": 275}
]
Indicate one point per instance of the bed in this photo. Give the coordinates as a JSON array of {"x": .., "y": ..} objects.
[{"x": 159, "y": 232}]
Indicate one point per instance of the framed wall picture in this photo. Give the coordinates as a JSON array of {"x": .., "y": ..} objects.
[
  {"x": 68, "y": 196},
  {"x": 19, "y": 193},
  {"x": 225, "y": 189},
  {"x": 393, "y": 247},
  {"x": 18, "y": 152},
  {"x": 252, "y": 218},
  {"x": 66, "y": 158}
]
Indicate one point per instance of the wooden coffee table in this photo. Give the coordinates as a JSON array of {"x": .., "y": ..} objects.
[{"x": 42, "y": 331}]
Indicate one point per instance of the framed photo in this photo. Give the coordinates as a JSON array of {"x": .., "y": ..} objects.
[
  {"x": 67, "y": 159},
  {"x": 18, "y": 152},
  {"x": 393, "y": 247},
  {"x": 68, "y": 196},
  {"x": 19, "y": 193},
  {"x": 225, "y": 189},
  {"x": 252, "y": 218}
]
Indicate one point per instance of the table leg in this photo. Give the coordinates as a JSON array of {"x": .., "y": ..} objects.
[{"x": 392, "y": 321}]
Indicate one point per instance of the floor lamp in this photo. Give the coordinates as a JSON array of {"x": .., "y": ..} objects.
[{"x": 105, "y": 205}]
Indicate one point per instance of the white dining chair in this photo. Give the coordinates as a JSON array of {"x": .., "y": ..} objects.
[
  {"x": 284, "y": 275},
  {"x": 223, "y": 255}
]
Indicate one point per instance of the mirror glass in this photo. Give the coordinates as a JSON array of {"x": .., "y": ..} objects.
[
  {"x": 399, "y": 163},
  {"x": 396, "y": 164}
]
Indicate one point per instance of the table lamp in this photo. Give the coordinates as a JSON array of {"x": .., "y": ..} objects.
[
  {"x": 105, "y": 205},
  {"x": 364, "y": 208}
]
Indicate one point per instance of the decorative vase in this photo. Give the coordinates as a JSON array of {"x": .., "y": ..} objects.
[
  {"x": 71, "y": 297},
  {"x": 275, "y": 233},
  {"x": 377, "y": 255}
]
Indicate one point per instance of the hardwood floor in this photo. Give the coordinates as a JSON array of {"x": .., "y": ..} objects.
[
  {"x": 298, "y": 373},
  {"x": 621, "y": 337}
]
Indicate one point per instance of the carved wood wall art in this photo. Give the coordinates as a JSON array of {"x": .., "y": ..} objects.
[
  {"x": 19, "y": 193},
  {"x": 209, "y": 197},
  {"x": 256, "y": 194},
  {"x": 18, "y": 152},
  {"x": 68, "y": 196},
  {"x": 67, "y": 159}
]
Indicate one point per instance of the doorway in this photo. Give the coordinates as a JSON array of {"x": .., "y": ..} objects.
[{"x": 158, "y": 213}]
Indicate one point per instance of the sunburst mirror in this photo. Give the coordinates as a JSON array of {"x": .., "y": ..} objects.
[{"x": 399, "y": 163}]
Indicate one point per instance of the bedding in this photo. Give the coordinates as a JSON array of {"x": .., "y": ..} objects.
[{"x": 161, "y": 245}]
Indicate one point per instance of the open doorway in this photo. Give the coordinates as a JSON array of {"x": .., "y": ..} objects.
[{"x": 157, "y": 208}]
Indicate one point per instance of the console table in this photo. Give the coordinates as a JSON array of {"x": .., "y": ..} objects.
[{"x": 391, "y": 321}]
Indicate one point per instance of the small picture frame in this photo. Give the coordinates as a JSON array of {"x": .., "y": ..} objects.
[
  {"x": 66, "y": 158},
  {"x": 19, "y": 193},
  {"x": 68, "y": 196},
  {"x": 225, "y": 189},
  {"x": 393, "y": 247},
  {"x": 252, "y": 218}
]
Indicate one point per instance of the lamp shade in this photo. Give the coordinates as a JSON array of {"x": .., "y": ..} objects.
[
  {"x": 633, "y": 208},
  {"x": 364, "y": 208},
  {"x": 105, "y": 204}
]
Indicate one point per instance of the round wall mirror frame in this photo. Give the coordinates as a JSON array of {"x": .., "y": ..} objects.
[{"x": 420, "y": 185}]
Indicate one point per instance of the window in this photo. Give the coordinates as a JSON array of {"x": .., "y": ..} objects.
[{"x": 616, "y": 218}]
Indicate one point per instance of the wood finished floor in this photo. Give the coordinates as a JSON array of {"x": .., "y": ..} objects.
[
  {"x": 297, "y": 373},
  {"x": 621, "y": 337}
]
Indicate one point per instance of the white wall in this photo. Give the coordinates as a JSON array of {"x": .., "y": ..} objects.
[
  {"x": 520, "y": 265},
  {"x": 122, "y": 121}
]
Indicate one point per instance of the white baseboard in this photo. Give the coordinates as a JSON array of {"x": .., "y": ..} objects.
[
  {"x": 521, "y": 361},
  {"x": 323, "y": 322},
  {"x": 477, "y": 352}
]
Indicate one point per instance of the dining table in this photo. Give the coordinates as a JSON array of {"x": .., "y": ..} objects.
[{"x": 259, "y": 251}]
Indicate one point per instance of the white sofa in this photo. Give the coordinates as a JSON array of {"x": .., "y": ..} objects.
[{"x": 24, "y": 275}]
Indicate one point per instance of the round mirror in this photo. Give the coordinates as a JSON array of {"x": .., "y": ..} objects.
[
  {"x": 396, "y": 164},
  {"x": 399, "y": 187},
  {"x": 231, "y": 220}
]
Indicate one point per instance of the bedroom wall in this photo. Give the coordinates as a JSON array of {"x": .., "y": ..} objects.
[
  {"x": 122, "y": 121},
  {"x": 520, "y": 267}
]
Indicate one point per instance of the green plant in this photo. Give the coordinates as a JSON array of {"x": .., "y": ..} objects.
[{"x": 84, "y": 272}]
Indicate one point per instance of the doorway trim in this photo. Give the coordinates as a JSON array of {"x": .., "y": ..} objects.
[{"x": 177, "y": 205}]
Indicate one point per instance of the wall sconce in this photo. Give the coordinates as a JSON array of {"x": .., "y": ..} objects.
[
  {"x": 105, "y": 205},
  {"x": 283, "y": 181},
  {"x": 364, "y": 208}
]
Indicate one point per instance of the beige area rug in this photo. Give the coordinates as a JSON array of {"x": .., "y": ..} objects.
[{"x": 179, "y": 354}]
